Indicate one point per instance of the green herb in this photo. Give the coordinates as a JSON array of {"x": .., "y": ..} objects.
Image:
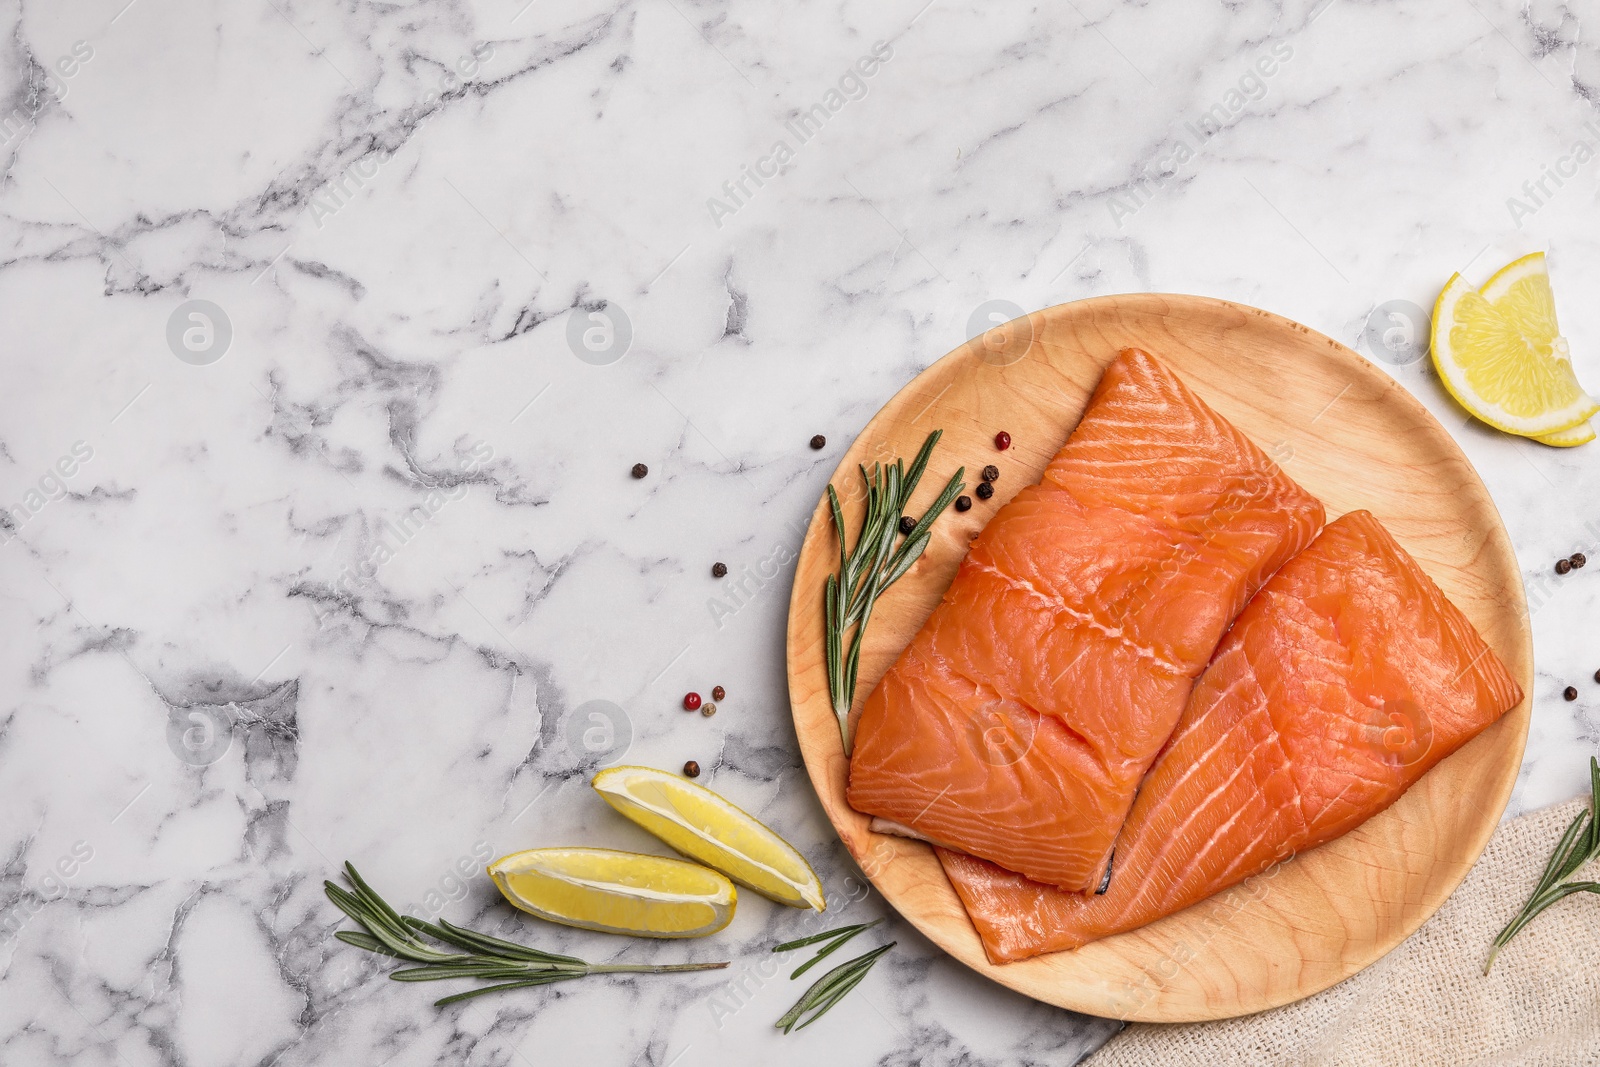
[
  {"x": 837, "y": 937},
  {"x": 1577, "y": 846},
  {"x": 828, "y": 990},
  {"x": 484, "y": 958},
  {"x": 874, "y": 565}
]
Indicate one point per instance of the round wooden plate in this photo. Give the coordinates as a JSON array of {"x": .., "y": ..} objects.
[{"x": 1345, "y": 431}]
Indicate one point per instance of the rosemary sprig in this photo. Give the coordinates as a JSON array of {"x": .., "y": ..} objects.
[
  {"x": 873, "y": 565},
  {"x": 488, "y": 959},
  {"x": 1577, "y": 846},
  {"x": 828, "y": 990},
  {"x": 836, "y": 937}
]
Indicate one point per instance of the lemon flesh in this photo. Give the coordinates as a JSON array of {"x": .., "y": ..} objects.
[
  {"x": 1500, "y": 353},
  {"x": 705, "y": 827},
  {"x": 616, "y": 892}
]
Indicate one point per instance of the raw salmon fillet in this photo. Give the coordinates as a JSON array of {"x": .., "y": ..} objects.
[
  {"x": 1018, "y": 723},
  {"x": 1344, "y": 680}
]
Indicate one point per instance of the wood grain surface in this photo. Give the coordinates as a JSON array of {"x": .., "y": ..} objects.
[{"x": 1345, "y": 431}]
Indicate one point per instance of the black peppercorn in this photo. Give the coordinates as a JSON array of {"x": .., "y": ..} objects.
[
  {"x": 719, "y": 570},
  {"x": 1563, "y": 566},
  {"x": 717, "y": 692},
  {"x": 991, "y": 472},
  {"x": 819, "y": 442},
  {"x": 963, "y": 503},
  {"x": 1570, "y": 693},
  {"x": 1578, "y": 559},
  {"x": 984, "y": 490},
  {"x": 640, "y": 470},
  {"x": 907, "y": 524},
  {"x": 691, "y": 769}
]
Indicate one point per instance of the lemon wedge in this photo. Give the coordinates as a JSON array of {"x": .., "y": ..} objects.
[
  {"x": 1580, "y": 434},
  {"x": 705, "y": 827},
  {"x": 616, "y": 892},
  {"x": 1500, "y": 353}
]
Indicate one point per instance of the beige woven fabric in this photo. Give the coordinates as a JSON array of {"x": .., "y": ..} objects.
[{"x": 1428, "y": 1002}]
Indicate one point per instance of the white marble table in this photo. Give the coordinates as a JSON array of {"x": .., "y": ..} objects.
[{"x": 237, "y": 653}]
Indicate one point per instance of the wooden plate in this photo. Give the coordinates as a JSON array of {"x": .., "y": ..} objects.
[{"x": 1346, "y": 432}]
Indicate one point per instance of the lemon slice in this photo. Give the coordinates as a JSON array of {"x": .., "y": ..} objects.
[
  {"x": 1580, "y": 434},
  {"x": 616, "y": 892},
  {"x": 705, "y": 827},
  {"x": 1500, "y": 353}
]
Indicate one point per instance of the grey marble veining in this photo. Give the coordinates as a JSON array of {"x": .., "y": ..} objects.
[{"x": 345, "y": 561}]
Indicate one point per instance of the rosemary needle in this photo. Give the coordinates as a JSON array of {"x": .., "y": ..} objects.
[
  {"x": 828, "y": 990},
  {"x": 873, "y": 565},
  {"x": 478, "y": 956},
  {"x": 826, "y": 935},
  {"x": 836, "y": 937},
  {"x": 1577, "y": 846}
]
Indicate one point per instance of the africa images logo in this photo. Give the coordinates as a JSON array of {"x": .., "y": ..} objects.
[
  {"x": 598, "y": 733},
  {"x": 599, "y": 334},
  {"x": 199, "y": 332},
  {"x": 1002, "y": 732},
  {"x": 1399, "y": 731},
  {"x": 201, "y": 734}
]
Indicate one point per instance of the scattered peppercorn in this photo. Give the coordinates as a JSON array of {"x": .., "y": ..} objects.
[
  {"x": 691, "y": 701},
  {"x": 1578, "y": 559},
  {"x": 640, "y": 470},
  {"x": 984, "y": 490},
  {"x": 709, "y": 710},
  {"x": 717, "y": 692},
  {"x": 1597, "y": 676},
  {"x": 819, "y": 442},
  {"x": 963, "y": 502},
  {"x": 991, "y": 473},
  {"x": 719, "y": 570},
  {"x": 907, "y": 524},
  {"x": 1563, "y": 566},
  {"x": 691, "y": 769},
  {"x": 1570, "y": 692},
  {"x": 1002, "y": 440}
]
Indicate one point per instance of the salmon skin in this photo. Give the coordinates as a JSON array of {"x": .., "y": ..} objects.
[
  {"x": 1018, "y": 723},
  {"x": 1344, "y": 680}
]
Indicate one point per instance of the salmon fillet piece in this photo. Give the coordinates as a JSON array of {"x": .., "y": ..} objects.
[
  {"x": 1018, "y": 723},
  {"x": 1345, "y": 679}
]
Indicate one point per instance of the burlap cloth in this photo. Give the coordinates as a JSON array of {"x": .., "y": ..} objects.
[{"x": 1428, "y": 1002}]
